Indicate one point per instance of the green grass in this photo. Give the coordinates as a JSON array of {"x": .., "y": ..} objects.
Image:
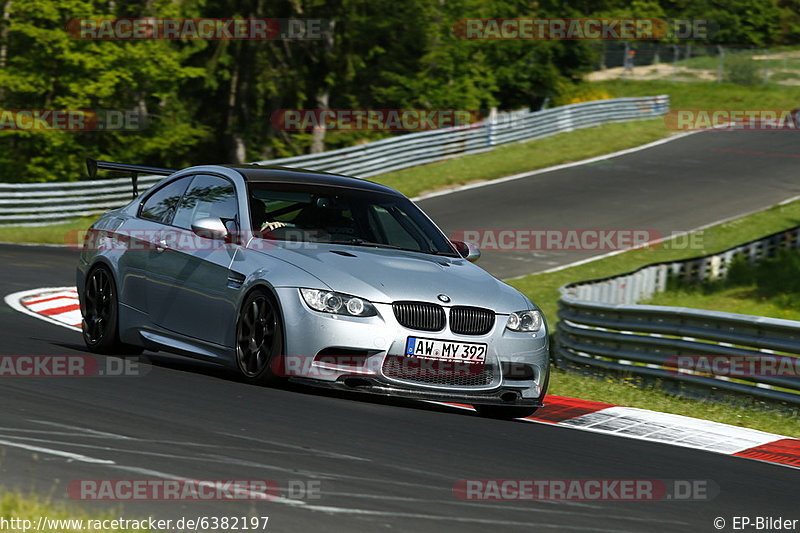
[
  {"x": 31, "y": 507},
  {"x": 769, "y": 288},
  {"x": 744, "y": 299},
  {"x": 707, "y": 95},
  {"x": 66, "y": 233},
  {"x": 784, "y": 76}
]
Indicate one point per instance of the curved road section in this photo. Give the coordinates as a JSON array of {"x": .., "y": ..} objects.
[
  {"x": 670, "y": 188},
  {"x": 345, "y": 463}
]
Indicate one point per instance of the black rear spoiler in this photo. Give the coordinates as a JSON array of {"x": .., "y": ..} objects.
[{"x": 92, "y": 166}]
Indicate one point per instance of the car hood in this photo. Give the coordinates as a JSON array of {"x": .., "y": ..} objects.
[{"x": 384, "y": 275}]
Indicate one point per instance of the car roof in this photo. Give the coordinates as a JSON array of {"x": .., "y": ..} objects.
[{"x": 275, "y": 174}]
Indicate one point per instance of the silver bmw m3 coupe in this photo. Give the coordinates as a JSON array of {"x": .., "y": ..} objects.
[{"x": 329, "y": 280}]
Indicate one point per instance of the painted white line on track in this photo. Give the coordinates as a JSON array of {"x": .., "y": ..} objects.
[
  {"x": 59, "y": 453},
  {"x": 90, "y": 432}
]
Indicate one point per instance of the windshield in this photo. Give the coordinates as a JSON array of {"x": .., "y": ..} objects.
[{"x": 302, "y": 213}]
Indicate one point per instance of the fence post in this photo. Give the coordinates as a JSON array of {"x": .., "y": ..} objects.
[{"x": 491, "y": 120}]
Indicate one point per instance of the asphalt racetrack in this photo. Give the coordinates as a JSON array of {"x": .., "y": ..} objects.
[{"x": 385, "y": 465}]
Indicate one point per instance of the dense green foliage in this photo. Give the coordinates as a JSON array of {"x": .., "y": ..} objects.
[{"x": 211, "y": 100}]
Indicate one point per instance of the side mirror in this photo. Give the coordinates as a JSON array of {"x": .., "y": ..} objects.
[
  {"x": 467, "y": 250},
  {"x": 210, "y": 228}
]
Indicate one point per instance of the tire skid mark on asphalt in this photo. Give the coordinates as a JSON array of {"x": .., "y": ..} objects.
[
  {"x": 206, "y": 458},
  {"x": 474, "y": 504},
  {"x": 88, "y": 431},
  {"x": 326, "y": 509},
  {"x": 225, "y": 460},
  {"x": 5, "y": 430},
  {"x": 307, "y": 449},
  {"x": 488, "y": 521},
  {"x": 489, "y": 505}
]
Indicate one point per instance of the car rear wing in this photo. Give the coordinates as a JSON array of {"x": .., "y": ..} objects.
[{"x": 92, "y": 166}]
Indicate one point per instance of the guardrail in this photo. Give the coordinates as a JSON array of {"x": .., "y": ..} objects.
[
  {"x": 601, "y": 325},
  {"x": 46, "y": 203}
]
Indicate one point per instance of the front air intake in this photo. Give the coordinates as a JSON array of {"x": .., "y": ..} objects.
[
  {"x": 471, "y": 320},
  {"x": 419, "y": 315}
]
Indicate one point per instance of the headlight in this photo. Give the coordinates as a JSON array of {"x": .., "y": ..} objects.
[
  {"x": 524, "y": 321},
  {"x": 336, "y": 302}
]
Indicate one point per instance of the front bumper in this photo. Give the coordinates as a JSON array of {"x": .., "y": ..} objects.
[
  {"x": 310, "y": 335},
  {"x": 508, "y": 397}
]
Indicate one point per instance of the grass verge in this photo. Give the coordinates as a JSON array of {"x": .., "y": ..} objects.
[
  {"x": 706, "y": 95},
  {"x": 66, "y": 233},
  {"x": 743, "y": 299},
  {"x": 769, "y": 288},
  {"x": 63, "y": 519}
]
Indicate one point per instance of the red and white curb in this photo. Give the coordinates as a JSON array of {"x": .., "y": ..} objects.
[
  {"x": 665, "y": 428},
  {"x": 59, "y": 305}
]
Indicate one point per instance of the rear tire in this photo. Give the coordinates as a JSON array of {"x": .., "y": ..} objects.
[
  {"x": 504, "y": 413},
  {"x": 100, "y": 315},
  {"x": 259, "y": 339}
]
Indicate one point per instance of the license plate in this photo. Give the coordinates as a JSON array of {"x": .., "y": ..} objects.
[{"x": 467, "y": 352}]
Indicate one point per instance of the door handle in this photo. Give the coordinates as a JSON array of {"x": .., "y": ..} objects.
[{"x": 161, "y": 245}]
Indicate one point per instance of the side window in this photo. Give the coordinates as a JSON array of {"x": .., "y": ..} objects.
[
  {"x": 207, "y": 197},
  {"x": 160, "y": 205}
]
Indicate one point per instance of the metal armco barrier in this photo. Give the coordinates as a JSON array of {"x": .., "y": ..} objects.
[
  {"x": 32, "y": 204},
  {"x": 601, "y": 325}
]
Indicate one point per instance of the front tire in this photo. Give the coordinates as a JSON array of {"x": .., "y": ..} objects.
[
  {"x": 504, "y": 413},
  {"x": 259, "y": 338},
  {"x": 100, "y": 315}
]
